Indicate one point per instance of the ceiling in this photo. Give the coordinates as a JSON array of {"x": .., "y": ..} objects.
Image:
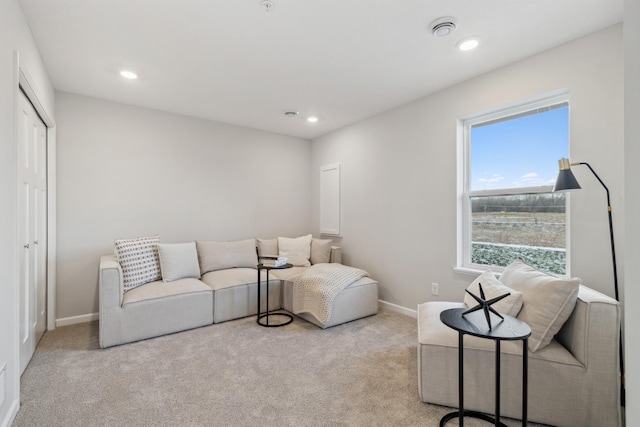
[{"x": 341, "y": 60}]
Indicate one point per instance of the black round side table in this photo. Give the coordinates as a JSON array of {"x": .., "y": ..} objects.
[
  {"x": 268, "y": 314},
  {"x": 509, "y": 329}
]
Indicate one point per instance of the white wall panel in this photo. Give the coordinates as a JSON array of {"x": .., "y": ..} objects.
[{"x": 330, "y": 199}]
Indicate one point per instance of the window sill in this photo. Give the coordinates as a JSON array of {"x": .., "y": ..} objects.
[{"x": 475, "y": 272}]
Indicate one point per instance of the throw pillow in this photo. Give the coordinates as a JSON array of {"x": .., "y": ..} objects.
[
  {"x": 178, "y": 261},
  {"x": 222, "y": 255},
  {"x": 320, "y": 251},
  {"x": 297, "y": 250},
  {"x": 548, "y": 300},
  {"x": 267, "y": 247},
  {"x": 492, "y": 288},
  {"x": 139, "y": 261}
]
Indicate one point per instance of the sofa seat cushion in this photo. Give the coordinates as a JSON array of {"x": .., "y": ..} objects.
[
  {"x": 160, "y": 289},
  {"x": 221, "y": 279},
  {"x": 236, "y": 293},
  {"x": 432, "y": 332},
  {"x": 288, "y": 274}
]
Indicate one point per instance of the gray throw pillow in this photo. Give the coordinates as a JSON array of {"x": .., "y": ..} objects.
[{"x": 178, "y": 261}]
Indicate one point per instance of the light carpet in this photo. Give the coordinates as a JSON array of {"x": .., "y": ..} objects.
[{"x": 363, "y": 373}]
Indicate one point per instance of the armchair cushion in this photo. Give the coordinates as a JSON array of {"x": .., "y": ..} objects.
[{"x": 548, "y": 300}]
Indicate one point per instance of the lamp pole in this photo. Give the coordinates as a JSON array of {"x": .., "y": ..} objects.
[{"x": 615, "y": 268}]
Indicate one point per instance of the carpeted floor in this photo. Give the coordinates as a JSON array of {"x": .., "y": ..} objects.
[{"x": 362, "y": 373}]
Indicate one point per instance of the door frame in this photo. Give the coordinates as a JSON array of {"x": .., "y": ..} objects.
[{"x": 26, "y": 83}]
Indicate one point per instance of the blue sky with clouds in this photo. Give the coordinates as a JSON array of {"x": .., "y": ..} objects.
[{"x": 521, "y": 152}]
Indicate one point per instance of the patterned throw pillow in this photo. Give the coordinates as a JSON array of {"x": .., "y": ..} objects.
[
  {"x": 139, "y": 261},
  {"x": 493, "y": 288}
]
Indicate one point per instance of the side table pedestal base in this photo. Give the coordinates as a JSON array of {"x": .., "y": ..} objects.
[
  {"x": 473, "y": 414},
  {"x": 263, "y": 319}
]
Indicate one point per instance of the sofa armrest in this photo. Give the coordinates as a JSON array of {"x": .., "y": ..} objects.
[
  {"x": 336, "y": 254},
  {"x": 110, "y": 283},
  {"x": 110, "y": 288},
  {"x": 592, "y": 331}
]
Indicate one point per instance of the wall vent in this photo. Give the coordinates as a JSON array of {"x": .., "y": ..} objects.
[{"x": 3, "y": 383}]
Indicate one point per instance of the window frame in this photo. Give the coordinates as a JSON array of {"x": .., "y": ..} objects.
[{"x": 464, "y": 125}]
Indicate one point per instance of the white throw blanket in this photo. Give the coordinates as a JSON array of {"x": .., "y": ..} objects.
[{"x": 316, "y": 288}]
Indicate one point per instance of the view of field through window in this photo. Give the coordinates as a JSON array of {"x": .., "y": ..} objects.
[
  {"x": 518, "y": 152},
  {"x": 529, "y": 226}
]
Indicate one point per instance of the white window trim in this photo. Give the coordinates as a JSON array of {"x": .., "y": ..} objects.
[{"x": 464, "y": 125}]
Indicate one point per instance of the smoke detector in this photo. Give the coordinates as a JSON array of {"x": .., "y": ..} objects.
[
  {"x": 444, "y": 26},
  {"x": 290, "y": 113},
  {"x": 266, "y": 5}
]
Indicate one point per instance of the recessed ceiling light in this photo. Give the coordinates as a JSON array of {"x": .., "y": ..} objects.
[
  {"x": 468, "y": 44},
  {"x": 312, "y": 119},
  {"x": 128, "y": 75}
]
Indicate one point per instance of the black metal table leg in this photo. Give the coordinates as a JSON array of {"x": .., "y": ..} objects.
[
  {"x": 525, "y": 379},
  {"x": 497, "y": 414}
]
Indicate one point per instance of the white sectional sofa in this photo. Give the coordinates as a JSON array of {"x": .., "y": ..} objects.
[
  {"x": 573, "y": 380},
  {"x": 226, "y": 290}
]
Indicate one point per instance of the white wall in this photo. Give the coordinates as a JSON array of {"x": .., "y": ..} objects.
[
  {"x": 632, "y": 200},
  {"x": 15, "y": 37},
  {"x": 125, "y": 172},
  {"x": 399, "y": 170}
]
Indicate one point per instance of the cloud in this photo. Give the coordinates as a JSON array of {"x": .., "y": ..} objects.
[
  {"x": 495, "y": 178},
  {"x": 532, "y": 179}
]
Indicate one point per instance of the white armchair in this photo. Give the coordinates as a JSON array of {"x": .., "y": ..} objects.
[{"x": 574, "y": 381}]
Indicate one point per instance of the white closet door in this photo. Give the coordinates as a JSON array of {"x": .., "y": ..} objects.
[{"x": 32, "y": 223}]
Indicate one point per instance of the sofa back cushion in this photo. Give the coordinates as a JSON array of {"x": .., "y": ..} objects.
[
  {"x": 548, "y": 300},
  {"x": 297, "y": 250},
  {"x": 320, "y": 250},
  {"x": 221, "y": 255},
  {"x": 268, "y": 247}
]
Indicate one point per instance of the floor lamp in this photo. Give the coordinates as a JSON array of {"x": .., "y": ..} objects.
[{"x": 565, "y": 182}]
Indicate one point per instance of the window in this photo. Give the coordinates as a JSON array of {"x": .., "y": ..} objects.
[{"x": 509, "y": 166}]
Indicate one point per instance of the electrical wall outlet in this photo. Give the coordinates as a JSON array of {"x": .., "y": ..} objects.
[{"x": 435, "y": 289}]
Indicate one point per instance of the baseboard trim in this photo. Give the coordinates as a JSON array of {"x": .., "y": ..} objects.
[
  {"x": 11, "y": 414},
  {"x": 398, "y": 309},
  {"x": 66, "y": 321}
]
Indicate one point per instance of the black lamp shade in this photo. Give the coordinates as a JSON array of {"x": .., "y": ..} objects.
[{"x": 566, "y": 181}]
